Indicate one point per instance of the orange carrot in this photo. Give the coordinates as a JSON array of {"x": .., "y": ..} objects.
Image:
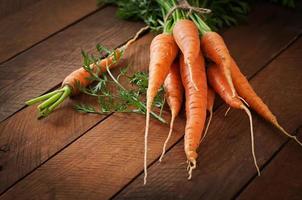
[
  {"x": 174, "y": 94},
  {"x": 214, "y": 48},
  {"x": 186, "y": 36},
  {"x": 219, "y": 83},
  {"x": 210, "y": 104},
  {"x": 163, "y": 51},
  {"x": 196, "y": 105},
  {"x": 82, "y": 76},
  {"x": 246, "y": 91}
]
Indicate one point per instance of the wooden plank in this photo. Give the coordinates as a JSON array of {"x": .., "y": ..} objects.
[
  {"x": 31, "y": 142},
  {"x": 281, "y": 179},
  {"x": 56, "y": 57},
  {"x": 225, "y": 163},
  {"x": 106, "y": 158},
  {"x": 38, "y": 21},
  {"x": 35, "y": 185},
  {"x": 12, "y": 6}
]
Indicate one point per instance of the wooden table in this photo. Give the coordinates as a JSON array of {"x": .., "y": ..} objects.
[{"x": 75, "y": 156}]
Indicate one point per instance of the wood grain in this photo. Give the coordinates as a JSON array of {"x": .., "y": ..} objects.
[
  {"x": 101, "y": 162},
  {"x": 12, "y": 6},
  {"x": 30, "y": 142},
  {"x": 34, "y": 23},
  {"x": 225, "y": 163},
  {"x": 45, "y": 65},
  {"x": 281, "y": 179},
  {"x": 102, "y": 184}
]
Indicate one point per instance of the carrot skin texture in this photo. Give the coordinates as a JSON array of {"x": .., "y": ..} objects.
[
  {"x": 246, "y": 91},
  {"x": 219, "y": 83},
  {"x": 196, "y": 105},
  {"x": 210, "y": 99},
  {"x": 186, "y": 36},
  {"x": 214, "y": 48},
  {"x": 81, "y": 75},
  {"x": 174, "y": 92},
  {"x": 174, "y": 89},
  {"x": 163, "y": 51}
]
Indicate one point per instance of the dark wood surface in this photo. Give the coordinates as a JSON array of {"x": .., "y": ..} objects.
[
  {"x": 74, "y": 156},
  {"x": 281, "y": 179},
  {"x": 225, "y": 164},
  {"x": 38, "y": 67},
  {"x": 12, "y": 6},
  {"x": 37, "y": 22}
]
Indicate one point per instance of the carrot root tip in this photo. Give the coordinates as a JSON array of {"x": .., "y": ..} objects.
[
  {"x": 252, "y": 137},
  {"x": 208, "y": 125},
  {"x": 287, "y": 134},
  {"x": 167, "y": 139},
  {"x": 244, "y": 101},
  {"x": 146, "y": 144},
  {"x": 191, "y": 166},
  {"x": 227, "y": 111}
]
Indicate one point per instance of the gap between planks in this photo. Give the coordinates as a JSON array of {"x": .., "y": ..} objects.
[
  {"x": 39, "y": 37},
  {"x": 266, "y": 164},
  {"x": 283, "y": 56},
  {"x": 291, "y": 42},
  {"x": 64, "y": 147}
]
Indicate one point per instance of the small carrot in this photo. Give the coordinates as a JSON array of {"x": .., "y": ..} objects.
[
  {"x": 210, "y": 104},
  {"x": 196, "y": 107},
  {"x": 219, "y": 83},
  {"x": 186, "y": 36},
  {"x": 174, "y": 94},
  {"x": 246, "y": 91},
  {"x": 81, "y": 76},
  {"x": 214, "y": 48},
  {"x": 69, "y": 87},
  {"x": 163, "y": 51}
]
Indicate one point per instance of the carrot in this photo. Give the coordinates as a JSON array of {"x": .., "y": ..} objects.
[
  {"x": 82, "y": 76},
  {"x": 196, "y": 105},
  {"x": 174, "y": 94},
  {"x": 219, "y": 83},
  {"x": 186, "y": 36},
  {"x": 163, "y": 51},
  {"x": 69, "y": 87},
  {"x": 246, "y": 91},
  {"x": 214, "y": 48},
  {"x": 210, "y": 104}
]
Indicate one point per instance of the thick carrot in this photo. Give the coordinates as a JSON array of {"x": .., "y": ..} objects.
[
  {"x": 214, "y": 48},
  {"x": 163, "y": 51},
  {"x": 82, "y": 76},
  {"x": 219, "y": 83},
  {"x": 196, "y": 107},
  {"x": 186, "y": 36},
  {"x": 246, "y": 91},
  {"x": 210, "y": 104},
  {"x": 174, "y": 94}
]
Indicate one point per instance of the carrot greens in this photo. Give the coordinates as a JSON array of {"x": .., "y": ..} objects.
[{"x": 112, "y": 96}]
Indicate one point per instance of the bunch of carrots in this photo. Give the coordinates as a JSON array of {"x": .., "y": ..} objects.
[{"x": 193, "y": 64}]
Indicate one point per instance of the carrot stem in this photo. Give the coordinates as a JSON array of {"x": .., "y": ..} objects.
[
  {"x": 42, "y": 98},
  {"x": 49, "y": 101},
  {"x": 65, "y": 94}
]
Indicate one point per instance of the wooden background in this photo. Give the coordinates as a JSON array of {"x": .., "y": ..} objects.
[{"x": 74, "y": 156}]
